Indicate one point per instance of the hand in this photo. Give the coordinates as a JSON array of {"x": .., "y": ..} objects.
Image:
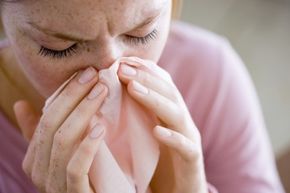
[
  {"x": 180, "y": 168},
  {"x": 61, "y": 150}
]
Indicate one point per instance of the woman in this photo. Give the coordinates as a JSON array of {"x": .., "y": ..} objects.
[{"x": 214, "y": 143}]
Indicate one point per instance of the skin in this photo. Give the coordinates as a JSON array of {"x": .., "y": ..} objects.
[{"x": 58, "y": 143}]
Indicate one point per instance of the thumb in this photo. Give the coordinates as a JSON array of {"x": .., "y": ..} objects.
[{"x": 26, "y": 117}]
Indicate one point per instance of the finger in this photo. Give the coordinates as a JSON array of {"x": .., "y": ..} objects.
[
  {"x": 167, "y": 111},
  {"x": 26, "y": 117},
  {"x": 27, "y": 120},
  {"x": 54, "y": 116},
  {"x": 148, "y": 66},
  {"x": 173, "y": 115},
  {"x": 150, "y": 80},
  {"x": 57, "y": 92},
  {"x": 71, "y": 131},
  {"x": 80, "y": 163},
  {"x": 68, "y": 99},
  {"x": 187, "y": 149}
]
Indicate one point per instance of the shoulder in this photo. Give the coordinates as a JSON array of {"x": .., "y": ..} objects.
[
  {"x": 191, "y": 36},
  {"x": 12, "y": 177},
  {"x": 211, "y": 77},
  {"x": 186, "y": 41},
  {"x": 201, "y": 64},
  {"x": 222, "y": 100},
  {"x": 194, "y": 52}
]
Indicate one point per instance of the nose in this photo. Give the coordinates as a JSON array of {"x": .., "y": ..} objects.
[{"x": 107, "y": 54}]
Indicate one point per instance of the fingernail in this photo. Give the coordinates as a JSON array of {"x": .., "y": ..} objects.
[
  {"x": 96, "y": 91},
  {"x": 127, "y": 70},
  {"x": 163, "y": 132},
  {"x": 87, "y": 75},
  {"x": 97, "y": 131},
  {"x": 139, "y": 88}
]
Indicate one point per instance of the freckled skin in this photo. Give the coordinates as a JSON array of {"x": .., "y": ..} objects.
[{"x": 105, "y": 22}]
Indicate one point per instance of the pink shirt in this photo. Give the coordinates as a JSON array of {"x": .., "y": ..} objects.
[{"x": 222, "y": 101}]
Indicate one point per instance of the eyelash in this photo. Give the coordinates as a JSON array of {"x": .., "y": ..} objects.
[
  {"x": 142, "y": 40},
  {"x": 46, "y": 52},
  {"x": 58, "y": 54}
]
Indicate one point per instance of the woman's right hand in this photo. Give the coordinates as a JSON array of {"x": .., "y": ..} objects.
[{"x": 61, "y": 149}]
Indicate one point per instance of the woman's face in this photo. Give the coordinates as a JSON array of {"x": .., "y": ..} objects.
[{"x": 52, "y": 39}]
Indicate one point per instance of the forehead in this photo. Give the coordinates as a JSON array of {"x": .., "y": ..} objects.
[{"x": 92, "y": 14}]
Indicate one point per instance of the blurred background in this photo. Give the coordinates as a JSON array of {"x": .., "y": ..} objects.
[{"x": 259, "y": 30}]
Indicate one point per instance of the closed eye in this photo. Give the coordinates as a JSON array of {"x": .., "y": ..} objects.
[
  {"x": 58, "y": 53},
  {"x": 142, "y": 40}
]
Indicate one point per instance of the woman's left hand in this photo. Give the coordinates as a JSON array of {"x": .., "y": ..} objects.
[{"x": 180, "y": 168}]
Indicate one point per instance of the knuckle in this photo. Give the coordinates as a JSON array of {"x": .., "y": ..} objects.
[
  {"x": 145, "y": 77},
  {"x": 45, "y": 124},
  {"x": 150, "y": 63},
  {"x": 171, "y": 91},
  {"x": 179, "y": 118},
  {"x": 155, "y": 103},
  {"x": 192, "y": 153},
  {"x": 49, "y": 188},
  {"x": 58, "y": 141},
  {"x": 80, "y": 110},
  {"x": 72, "y": 89},
  {"x": 54, "y": 184},
  {"x": 181, "y": 140},
  {"x": 186, "y": 148},
  {"x": 37, "y": 181},
  {"x": 191, "y": 156},
  {"x": 73, "y": 173},
  {"x": 87, "y": 150}
]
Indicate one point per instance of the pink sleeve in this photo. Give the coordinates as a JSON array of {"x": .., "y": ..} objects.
[
  {"x": 222, "y": 100},
  {"x": 237, "y": 152}
]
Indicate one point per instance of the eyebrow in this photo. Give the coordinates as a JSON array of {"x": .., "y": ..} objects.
[{"x": 70, "y": 37}]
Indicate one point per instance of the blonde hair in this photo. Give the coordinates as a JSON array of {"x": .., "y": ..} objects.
[{"x": 176, "y": 8}]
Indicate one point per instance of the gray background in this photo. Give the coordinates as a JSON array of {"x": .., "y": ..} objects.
[{"x": 260, "y": 32}]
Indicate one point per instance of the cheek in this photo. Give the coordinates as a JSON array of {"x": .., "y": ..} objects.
[{"x": 44, "y": 78}]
